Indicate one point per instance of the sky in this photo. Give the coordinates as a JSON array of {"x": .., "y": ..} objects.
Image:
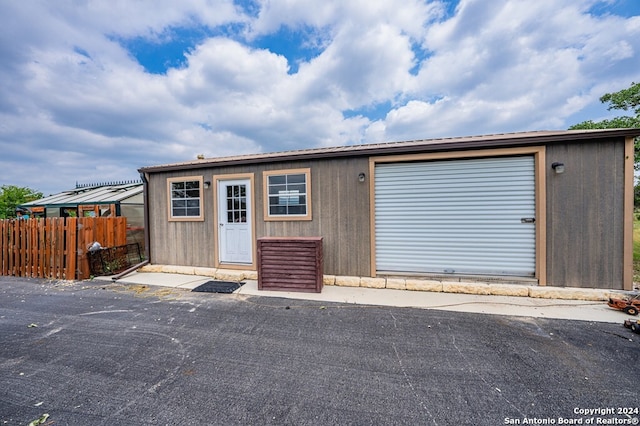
[{"x": 90, "y": 91}]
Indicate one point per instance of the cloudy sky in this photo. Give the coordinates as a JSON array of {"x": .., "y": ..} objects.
[{"x": 93, "y": 90}]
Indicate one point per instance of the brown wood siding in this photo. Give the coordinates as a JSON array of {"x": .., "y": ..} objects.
[
  {"x": 340, "y": 214},
  {"x": 178, "y": 243},
  {"x": 585, "y": 215},
  {"x": 340, "y": 206}
]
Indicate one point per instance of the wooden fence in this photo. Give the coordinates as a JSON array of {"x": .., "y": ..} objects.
[{"x": 55, "y": 247}]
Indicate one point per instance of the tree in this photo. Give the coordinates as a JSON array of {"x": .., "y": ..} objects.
[
  {"x": 11, "y": 196},
  {"x": 625, "y": 99}
]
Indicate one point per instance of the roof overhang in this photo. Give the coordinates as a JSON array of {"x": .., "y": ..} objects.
[
  {"x": 406, "y": 147},
  {"x": 86, "y": 203},
  {"x": 83, "y": 196}
]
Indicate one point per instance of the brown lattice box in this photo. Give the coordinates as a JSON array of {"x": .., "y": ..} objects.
[{"x": 113, "y": 260}]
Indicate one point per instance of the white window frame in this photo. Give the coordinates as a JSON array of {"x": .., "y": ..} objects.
[
  {"x": 170, "y": 198},
  {"x": 287, "y": 194}
]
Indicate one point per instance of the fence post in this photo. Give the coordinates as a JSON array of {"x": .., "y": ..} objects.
[
  {"x": 14, "y": 248},
  {"x": 46, "y": 266},
  {"x": 84, "y": 234},
  {"x": 60, "y": 247},
  {"x": 70, "y": 249},
  {"x": 53, "y": 242},
  {"x": 41, "y": 247},
  {"x": 4, "y": 246},
  {"x": 121, "y": 231},
  {"x": 33, "y": 248}
]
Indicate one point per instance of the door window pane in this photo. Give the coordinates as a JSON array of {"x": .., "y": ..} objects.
[{"x": 236, "y": 203}]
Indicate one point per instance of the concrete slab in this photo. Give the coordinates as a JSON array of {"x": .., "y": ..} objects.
[
  {"x": 457, "y": 302},
  {"x": 187, "y": 282},
  {"x": 486, "y": 304}
]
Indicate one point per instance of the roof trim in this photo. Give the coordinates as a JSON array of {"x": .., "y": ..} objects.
[
  {"x": 73, "y": 204},
  {"x": 406, "y": 147},
  {"x": 90, "y": 196}
]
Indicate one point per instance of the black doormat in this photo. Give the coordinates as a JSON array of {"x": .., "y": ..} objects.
[{"x": 218, "y": 287}]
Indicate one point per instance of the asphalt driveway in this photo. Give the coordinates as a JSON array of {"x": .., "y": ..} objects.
[{"x": 91, "y": 353}]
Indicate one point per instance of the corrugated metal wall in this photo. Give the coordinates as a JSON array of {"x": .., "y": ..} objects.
[{"x": 456, "y": 216}]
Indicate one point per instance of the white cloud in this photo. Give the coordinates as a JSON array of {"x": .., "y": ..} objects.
[
  {"x": 362, "y": 67},
  {"x": 76, "y": 105},
  {"x": 220, "y": 67},
  {"x": 515, "y": 65},
  {"x": 410, "y": 15}
]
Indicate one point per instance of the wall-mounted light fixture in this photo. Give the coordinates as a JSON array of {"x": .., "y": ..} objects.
[
  {"x": 361, "y": 177},
  {"x": 558, "y": 167},
  {"x": 207, "y": 184}
]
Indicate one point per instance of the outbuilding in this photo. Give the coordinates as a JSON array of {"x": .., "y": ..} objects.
[
  {"x": 547, "y": 207},
  {"x": 105, "y": 199}
]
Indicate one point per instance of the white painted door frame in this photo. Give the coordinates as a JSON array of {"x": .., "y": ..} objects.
[{"x": 234, "y": 220}]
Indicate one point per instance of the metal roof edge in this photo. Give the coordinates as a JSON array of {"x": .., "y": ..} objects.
[
  {"x": 402, "y": 147},
  {"x": 70, "y": 204},
  {"x": 88, "y": 196}
]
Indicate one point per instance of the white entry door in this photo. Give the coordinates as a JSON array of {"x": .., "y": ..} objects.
[{"x": 234, "y": 221}]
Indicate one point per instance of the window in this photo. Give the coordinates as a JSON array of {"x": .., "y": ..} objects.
[
  {"x": 185, "y": 198},
  {"x": 236, "y": 203},
  {"x": 287, "y": 194}
]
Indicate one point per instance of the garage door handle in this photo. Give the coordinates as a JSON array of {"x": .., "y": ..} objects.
[{"x": 528, "y": 220}]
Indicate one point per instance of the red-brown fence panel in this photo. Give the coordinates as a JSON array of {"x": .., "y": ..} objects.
[
  {"x": 107, "y": 231},
  {"x": 55, "y": 247}
]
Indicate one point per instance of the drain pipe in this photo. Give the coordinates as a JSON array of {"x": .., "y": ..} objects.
[
  {"x": 147, "y": 235},
  {"x": 130, "y": 270}
]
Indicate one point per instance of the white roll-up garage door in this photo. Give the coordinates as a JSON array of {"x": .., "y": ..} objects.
[{"x": 472, "y": 216}]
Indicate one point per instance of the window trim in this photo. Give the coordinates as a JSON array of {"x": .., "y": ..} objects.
[
  {"x": 265, "y": 184},
  {"x": 173, "y": 218}
]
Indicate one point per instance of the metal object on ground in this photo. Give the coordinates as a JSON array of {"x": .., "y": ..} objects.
[
  {"x": 634, "y": 325},
  {"x": 113, "y": 260},
  {"x": 630, "y": 306}
]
